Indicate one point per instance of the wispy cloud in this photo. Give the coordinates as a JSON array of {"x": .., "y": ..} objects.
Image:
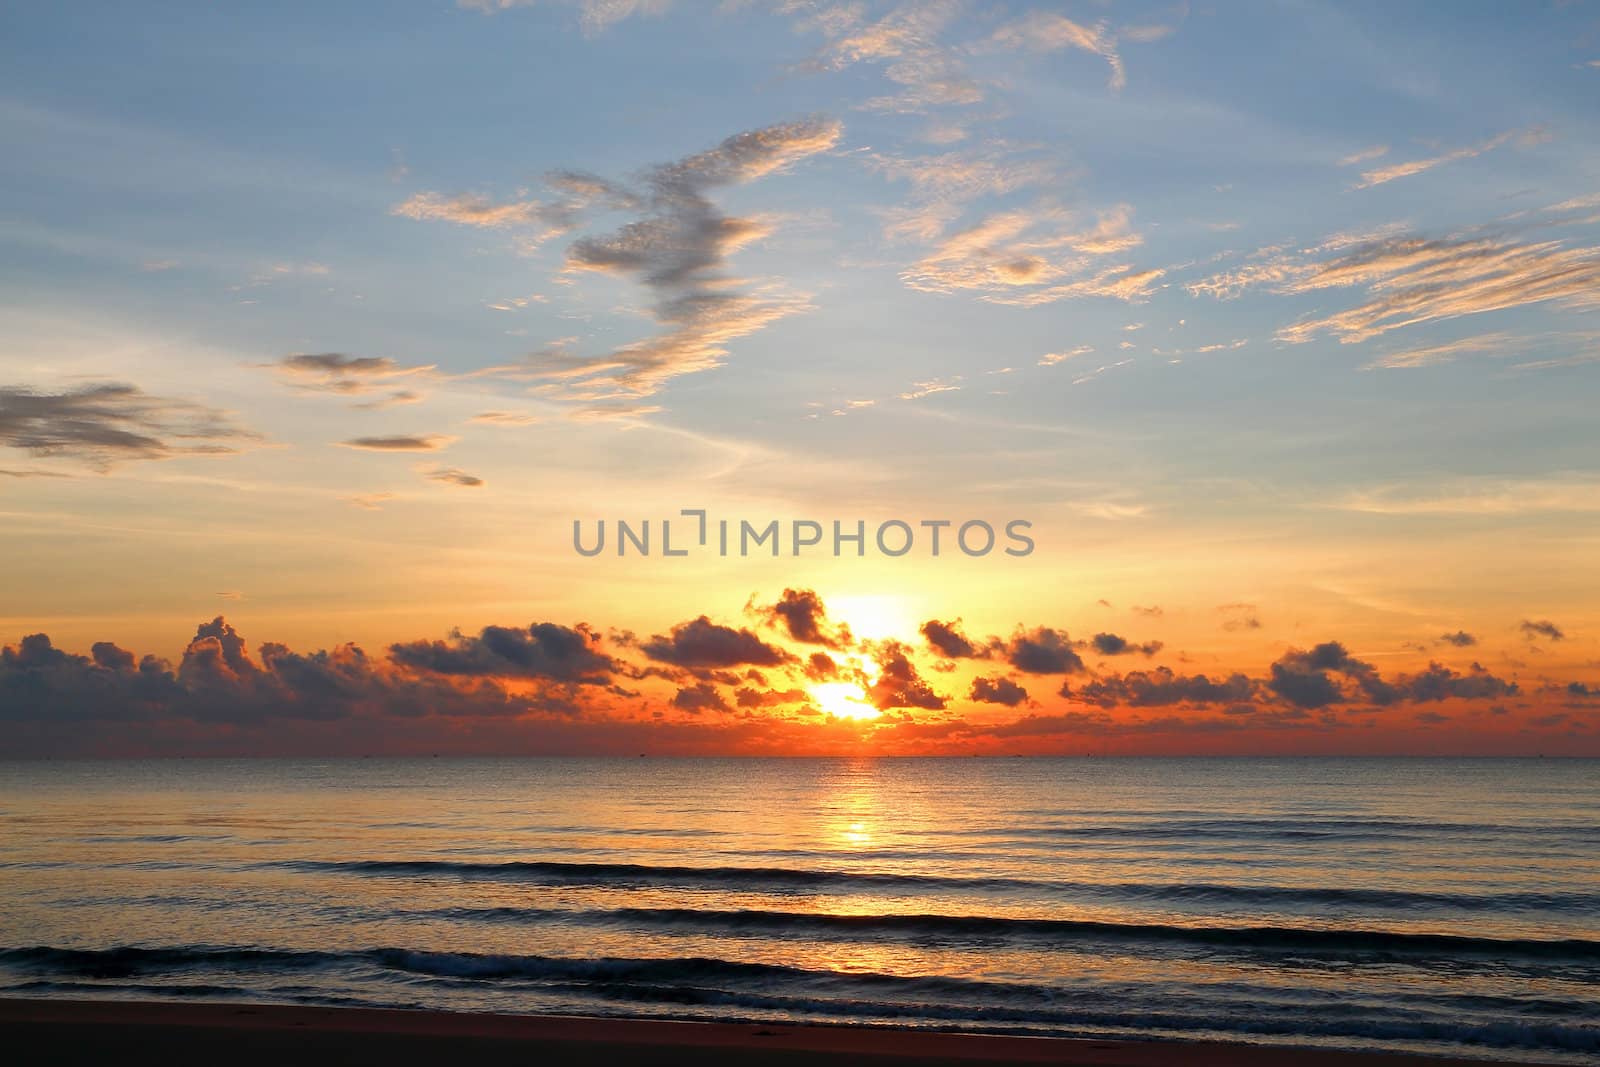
[
  {"x": 453, "y": 476},
  {"x": 1365, "y": 155},
  {"x": 1034, "y": 256},
  {"x": 105, "y": 424},
  {"x": 1394, "y": 171},
  {"x": 1050, "y": 359},
  {"x": 504, "y": 418},
  {"x": 429, "y": 442},
  {"x": 677, "y": 249},
  {"x": 906, "y": 41},
  {"x": 1571, "y": 493},
  {"x": 1046, "y": 31},
  {"x": 937, "y": 385},
  {"x": 1410, "y": 280},
  {"x": 1442, "y": 353},
  {"x": 595, "y": 16}
]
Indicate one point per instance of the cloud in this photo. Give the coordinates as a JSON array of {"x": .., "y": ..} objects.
[
  {"x": 540, "y": 650},
  {"x": 1500, "y": 344},
  {"x": 1161, "y": 687},
  {"x": 102, "y": 425},
  {"x": 428, "y": 442},
  {"x": 702, "y": 696},
  {"x": 1460, "y": 639},
  {"x": 1239, "y": 617},
  {"x": 906, "y": 41},
  {"x": 1542, "y": 628},
  {"x": 821, "y": 667},
  {"x": 1050, "y": 359},
  {"x": 1480, "y": 496},
  {"x": 471, "y": 210},
  {"x": 370, "y": 501},
  {"x": 1042, "y": 651},
  {"x": 898, "y": 684},
  {"x": 551, "y": 687},
  {"x": 1416, "y": 166},
  {"x": 1441, "y": 353},
  {"x": 19, "y": 474},
  {"x": 998, "y": 690},
  {"x": 1441, "y": 683},
  {"x": 677, "y": 249},
  {"x": 1409, "y": 280},
  {"x": 804, "y": 618},
  {"x": 921, "y": 390},
  {"x": 1121, "y": 282},
  {"x": 947, "y": 639},
  {"x": 218, "y": 684},
  {"x": 1034, "y": 256},
  {"x": 1046, "y": 31},
  {"x": 1322, "y": 676},
  {"x": 702, "y": 644},
  {"x": 453, "y": 476},
  {"x": 531, "y": 222},
  {"x": 595, "y": 16},
  {"x": 1305, "y": 678},
  {"x": 1365, "y": 155},
  {"x": 343, "y": 375},
  {"x": 1113, "y": 645},
  {"x": 749, "y": 697},
  {"x": 943, "y": 185},
  {"x": 503, "y": 418}
]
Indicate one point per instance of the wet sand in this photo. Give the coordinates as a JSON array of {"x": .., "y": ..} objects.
[{"x": 237, "y": 1035}]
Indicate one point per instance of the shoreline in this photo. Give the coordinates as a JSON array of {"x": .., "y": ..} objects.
[{"x": 71, "y": 1031}]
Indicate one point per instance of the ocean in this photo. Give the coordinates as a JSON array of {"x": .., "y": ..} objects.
[{"x": 1421, "y": 905}]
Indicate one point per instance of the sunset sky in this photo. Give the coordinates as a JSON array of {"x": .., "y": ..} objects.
[{"x": 323, "y": 323}]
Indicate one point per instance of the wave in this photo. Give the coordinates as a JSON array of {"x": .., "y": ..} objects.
[
  {"x": 787, "y": 879},
  {"x": 1269, "y": 938},
  {"x": 1287, "y": 828},
  {"x": 717, "y": 985}
]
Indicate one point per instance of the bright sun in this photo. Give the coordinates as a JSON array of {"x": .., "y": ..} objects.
[{"x": 844, "y": 700}]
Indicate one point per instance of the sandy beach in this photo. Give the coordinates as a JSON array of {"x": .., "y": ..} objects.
[{"x": 95, "y": 1032}]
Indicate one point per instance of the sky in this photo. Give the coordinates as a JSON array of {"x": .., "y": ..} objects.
[{"x": 323, "y": 325}]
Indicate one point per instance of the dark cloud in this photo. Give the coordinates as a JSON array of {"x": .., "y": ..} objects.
[
  {"x": 1042, "y": 651},
  {"x": 702, "y": 696},
  {"x": 102, "y": 425},
  {"x": 350, "y": 376},
  {"x": 749, "y": 697},
  {"x": 802, "y": 614},
  {"x": 677, "y": 248},
  {"x": 820, "y": 667},
  {"x": 542, "y": 650},
  {"x": 998, "y": 690},
  {"x": 948, "y": 640},
  {"x": 1305, "y": 678},
  {"x": 1461, "y": 639},
  {"x": 1161, "y": 687},
  {"x": 1542, "y": 628},
  {"x": 427, "y": 442},
  {"x": 703, "y": 643},
  {"x": 1441, "y": 683},
  {"x": 898, "y": 685},
  {"x": 218, "y": 683},
  {"x": 1113, "y": 645}
]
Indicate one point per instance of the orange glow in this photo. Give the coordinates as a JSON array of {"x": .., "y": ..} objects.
[{"x": 844, "y": 700}]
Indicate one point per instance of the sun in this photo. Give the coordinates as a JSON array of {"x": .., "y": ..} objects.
[{"x": 844, "y": 700}]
